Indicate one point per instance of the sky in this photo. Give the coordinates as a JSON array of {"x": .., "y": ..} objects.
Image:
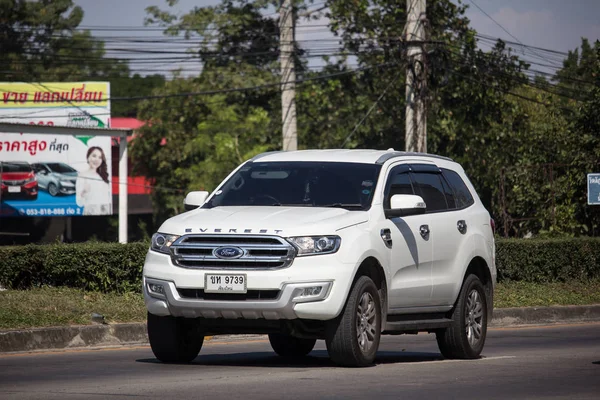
[{"x": 551, "y": 24}]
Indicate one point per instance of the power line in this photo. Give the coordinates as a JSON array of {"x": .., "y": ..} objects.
[
  {"x": 501, "y": 27},
  {"x": 392, "y": 81},
  {"x": 244, "y": 89}
]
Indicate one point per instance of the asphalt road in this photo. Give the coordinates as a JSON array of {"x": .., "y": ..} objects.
[{"x": 528, "y": 363}]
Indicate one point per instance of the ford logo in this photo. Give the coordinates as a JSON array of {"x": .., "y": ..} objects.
[{"x": 228, "y": 252}]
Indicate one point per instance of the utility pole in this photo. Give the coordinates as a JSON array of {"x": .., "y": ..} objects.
[
  {"x": 288, "y": 75},
  {"x": 416, "y": 115}
]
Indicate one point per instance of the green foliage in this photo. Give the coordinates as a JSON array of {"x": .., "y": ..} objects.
[
  {"x": 38, "y": 42},
  {"x": 112, "y": 267},
  {"x": 126, "y": 86},
  {"x": 548, "y": 260},
  {"x": 105, "y": 267}
]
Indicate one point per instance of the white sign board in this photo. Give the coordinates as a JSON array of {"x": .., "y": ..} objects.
[
  {"x": 49, "y": 174},
  {"x": 593, "y": 189}
]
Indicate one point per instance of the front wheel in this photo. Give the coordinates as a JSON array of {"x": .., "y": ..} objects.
[
  {"x": 291, "y": 347},
  {"x": 353, "y": 338},
  {"x": 465, "y": 338},
  {"x": 52, "y": 189},
  {"x": 174, "y": 340}
]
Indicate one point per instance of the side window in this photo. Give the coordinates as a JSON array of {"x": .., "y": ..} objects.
[
  {"x": 398, "y": 183},
  {"x": 429, "y": 187},
  {"x": 462, "y": 195},
  {"x": 448, "y": 193}
]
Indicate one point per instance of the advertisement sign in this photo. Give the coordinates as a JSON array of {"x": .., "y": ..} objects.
[
  {"x": 593, "y": 185},
  {"x": 55, "y": 175}
]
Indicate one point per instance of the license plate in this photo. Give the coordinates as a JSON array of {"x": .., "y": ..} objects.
[
  {"x": 14, "y": 189},
  {"x": 225, "y": 283}
]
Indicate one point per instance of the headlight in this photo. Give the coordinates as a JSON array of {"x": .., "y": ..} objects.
[
  {"x": 161, "y": 242},
  {"x": 29, "y": 180},
  {"x": 311, "y": 245}
]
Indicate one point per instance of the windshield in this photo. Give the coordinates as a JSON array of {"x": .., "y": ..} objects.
[
  {"x": 60, "y": 168},
  {"x": 308, "y": 184},
  {"x": 15, "y": 167}
]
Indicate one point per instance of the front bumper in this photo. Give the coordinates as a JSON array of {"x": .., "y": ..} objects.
[
  {"x": 171, "y": 303},
  {"x": 325, "y": 271}
]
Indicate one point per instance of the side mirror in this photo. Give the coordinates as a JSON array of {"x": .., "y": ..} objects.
[
  {"x": 403, "y": 205},
  {"x": 194, "y": 200}
]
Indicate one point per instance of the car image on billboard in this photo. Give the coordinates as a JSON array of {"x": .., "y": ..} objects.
[
  {"x": 18, "y": 181},
  {"x": 55, "y": 177}
]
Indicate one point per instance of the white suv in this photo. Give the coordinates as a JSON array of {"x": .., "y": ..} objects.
[{"x": 340, "y": 245}]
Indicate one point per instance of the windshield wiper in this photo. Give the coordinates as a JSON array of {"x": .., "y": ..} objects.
[{"x": 344, "y": 205}]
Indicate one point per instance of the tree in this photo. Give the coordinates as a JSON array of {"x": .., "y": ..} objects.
[{"x": 39, "y": 42}]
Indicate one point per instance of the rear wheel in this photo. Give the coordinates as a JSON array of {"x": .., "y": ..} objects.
[
  {"x": 174, "y": 340},
  {"x": 291, "y": 347},
  {"x": 353, "y": 338},
  {"x": 465, "y": 338}
]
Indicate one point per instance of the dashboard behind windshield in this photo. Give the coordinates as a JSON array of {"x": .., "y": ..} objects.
[{"x": 302, "y": 184}]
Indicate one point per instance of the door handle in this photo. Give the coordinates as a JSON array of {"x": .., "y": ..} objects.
[
  {"x": 424, "y": 231},
  {"x": 462, "y": 226},
  {"x": 386, "y": 235}
]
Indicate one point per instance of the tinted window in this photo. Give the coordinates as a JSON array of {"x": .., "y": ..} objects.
[
  {"x": 398, "y": 183},
  {"x": 429, "y": 187},
  {"x": 462, "y": 195},
  {"x": 448, "y": 193},
  {"x": 15, "y": 167},
  {"x": 308, "y": 184}
]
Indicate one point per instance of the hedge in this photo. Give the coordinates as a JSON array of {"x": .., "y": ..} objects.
[
  {"x": 548, "y": 260},
  {"x": 106, "y": 267},
  {"x": 112, "y": 267}
]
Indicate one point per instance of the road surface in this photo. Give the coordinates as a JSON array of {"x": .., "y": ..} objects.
[{"x": 557, "y": 362}]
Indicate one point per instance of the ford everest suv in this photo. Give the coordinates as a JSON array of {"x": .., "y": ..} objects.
[{"x": 340, "y": 245}]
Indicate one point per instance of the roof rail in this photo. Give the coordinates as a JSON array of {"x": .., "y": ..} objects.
[
  {"x": 394, "y": 154},
  {"x": 261, "y": 155}
]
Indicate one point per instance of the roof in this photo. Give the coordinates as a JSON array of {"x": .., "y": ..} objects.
[
  {"x": 126, "y": 122},
  {"x": 341, "y": 155}
]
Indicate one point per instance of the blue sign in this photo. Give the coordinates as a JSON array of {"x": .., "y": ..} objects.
[{"x": 593, "y": 186}]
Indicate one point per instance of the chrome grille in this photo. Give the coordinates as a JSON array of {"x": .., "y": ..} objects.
[
  {"x": 15, "y": 183},
  {"x": 257, "y": 252}
]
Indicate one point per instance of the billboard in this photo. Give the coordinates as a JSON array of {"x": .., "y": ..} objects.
[{"x": 55, "y": 175}]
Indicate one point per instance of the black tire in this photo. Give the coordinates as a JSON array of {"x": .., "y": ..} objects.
[
  {"x": 291, "y": 347},
  {"x": 174, "y": 340},
  {"x": 52, "y": 189},
  {"x": 342, "y": 333},
  {"x": 469, "y": 320}
]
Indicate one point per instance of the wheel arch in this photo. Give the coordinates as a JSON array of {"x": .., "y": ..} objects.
[
  {"x": 479, "y": 267},
  {"x": 372, "y": 268}
]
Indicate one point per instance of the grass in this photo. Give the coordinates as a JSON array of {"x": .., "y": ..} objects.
[
  {"x": 64, "y": 306},
  {"x": 525, "y": 294}
]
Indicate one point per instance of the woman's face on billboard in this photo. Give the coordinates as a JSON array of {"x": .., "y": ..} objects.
[{"x": 95, "y": 159}]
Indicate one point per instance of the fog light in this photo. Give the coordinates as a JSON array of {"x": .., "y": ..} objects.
[
  {"x": 156, "y": 288},
  {"x": 311, "y": 291}
]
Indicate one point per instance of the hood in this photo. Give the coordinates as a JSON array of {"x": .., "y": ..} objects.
[
  {"x": 280, "y": 221},
  {"x": 69, "y": 176}
]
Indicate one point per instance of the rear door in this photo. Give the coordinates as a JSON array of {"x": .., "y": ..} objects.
[
  {"x": 452, "y": 228},
  {"x": 430, "y": 184},
  {"x": 411, "y": 251}
]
